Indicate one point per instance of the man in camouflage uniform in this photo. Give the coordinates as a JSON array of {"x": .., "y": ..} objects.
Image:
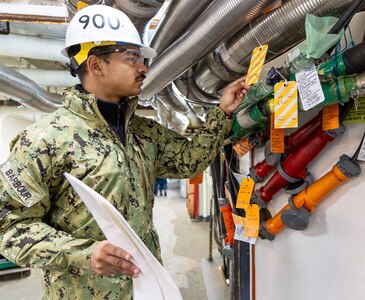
[{"x": 97, "y": 138}]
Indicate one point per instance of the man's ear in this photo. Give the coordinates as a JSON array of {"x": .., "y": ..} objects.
[{"x": 93, "y": 65}]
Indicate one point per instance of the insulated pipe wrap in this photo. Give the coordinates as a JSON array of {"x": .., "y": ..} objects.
[
  {"x": 172, "y": 101},
  {"x": 26, "y": 91},
  {"x": 177, "y": 18},
  {"x": 217, "y": 23},
  {"x": 139, "y": 12}
]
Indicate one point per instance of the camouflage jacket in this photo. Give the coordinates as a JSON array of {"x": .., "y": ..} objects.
[{"x": 44, "y": 224}]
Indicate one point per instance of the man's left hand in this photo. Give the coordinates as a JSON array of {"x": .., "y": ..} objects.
[{"x": 233, "y": 95}]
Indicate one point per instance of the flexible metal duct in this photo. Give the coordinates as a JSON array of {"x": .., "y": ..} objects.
[
  {"x": 281, "y": 29},
  {"x": 18, "y": 45},
  {"x": 176, "y": 19},
  {"x": 139, "y": 11},
  {"x": 54, "y": 78},
  {"x": 178, "y": 121},
  {"x": 172, "y": 100},
  {"x": 26, "y": 91},
  {"x": 179, "y": 15},
  {"x": 217, "y": 23}
]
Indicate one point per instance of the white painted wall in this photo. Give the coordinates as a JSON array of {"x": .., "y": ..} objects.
[
  {"x": 12, "y": 121},
  {"x": 325, "y": 261}
]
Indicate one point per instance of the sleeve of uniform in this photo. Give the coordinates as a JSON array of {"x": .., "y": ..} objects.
[
  {"x": 25, "y": 181},
  {"x": 181, "y": 157}
]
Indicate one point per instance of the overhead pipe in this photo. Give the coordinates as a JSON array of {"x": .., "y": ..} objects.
[
  {"x": 177, "y": 18},
  {"x": 32, "y": 47},
  {"x": 26, "y": 91},
  {"x": 281, "y": 29},
  {"x": 170, "y": 99},
  {"x": 139, "y": 11},
  {"x": 217, "y": 23},
  {"x": 54, "y": 78},
  {"x": 179, "y": 15}
]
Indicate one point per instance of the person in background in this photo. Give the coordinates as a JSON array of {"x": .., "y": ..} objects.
[
  {"x": 163, "y": 187},
  {"x": 97, "y": 138},
  {"x": 157, "y": 187}
]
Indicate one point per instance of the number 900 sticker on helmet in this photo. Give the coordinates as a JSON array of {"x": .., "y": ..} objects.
[{"x": 98, "y": 24}]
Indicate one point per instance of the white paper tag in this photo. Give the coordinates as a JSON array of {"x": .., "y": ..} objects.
[
  {"x": 362, "y": 152},
  {"x": 310, "y": 89},
  {"x": 239, "y": 234}
]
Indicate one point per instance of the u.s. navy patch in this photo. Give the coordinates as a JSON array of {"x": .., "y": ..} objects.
[{"x": 17, "y": 185}]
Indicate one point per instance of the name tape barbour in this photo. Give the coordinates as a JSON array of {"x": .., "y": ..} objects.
[{"x": 18, "y": 186}]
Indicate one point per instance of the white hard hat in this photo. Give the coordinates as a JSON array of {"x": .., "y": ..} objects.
[{"x": 101, "y": 23}]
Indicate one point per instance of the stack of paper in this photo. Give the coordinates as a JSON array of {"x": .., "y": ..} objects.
[{"x": 153, "y": 283}]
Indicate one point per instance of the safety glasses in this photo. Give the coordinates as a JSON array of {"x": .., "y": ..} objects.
[{"x": 132, "y": 57}]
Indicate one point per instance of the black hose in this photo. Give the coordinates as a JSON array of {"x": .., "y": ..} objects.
[{"x": 354, "y": 59}]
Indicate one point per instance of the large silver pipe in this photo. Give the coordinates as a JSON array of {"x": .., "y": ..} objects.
[
  {"x": 172, "y": 100},
  {"x": 26, "y": 91},
  {"x": 139, "y": 11},
  {"x": 179, "y": 15},
  {"x": 216, "y": 24}
]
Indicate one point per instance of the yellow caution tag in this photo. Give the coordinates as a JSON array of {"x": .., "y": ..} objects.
[
  {"x": 276, "y": 137},
  {"x": 286, "y": 105},
  {"x": 256, "y": 64},
  {"x": 252, "y": 221},
  {"x": 330, "y": 117},
  {"x": 242, "y": 147},
  {"x": 245, "y": 192}
]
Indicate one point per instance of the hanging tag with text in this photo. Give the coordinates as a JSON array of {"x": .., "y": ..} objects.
[
  {"x": 252, "y": 221},
  {"x": 330, "y": 117},
  {"x": 310, "y": 89},
  {"x": 256, "y": 64},
  {"x": 244, "y": 193},
  {"x": 276, "y": 137},
  {"x": 286, "y": 105}
]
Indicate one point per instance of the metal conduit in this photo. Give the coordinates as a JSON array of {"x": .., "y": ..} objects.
[
  {"x": 217, "y": 23},
  {"x": 140, "y": 12},
  {"x": 171, "y": 100},
  {"x": 281, "y": 29},
  {"x": 26, "y": 91},
  {"x": 177, "y": 18}
]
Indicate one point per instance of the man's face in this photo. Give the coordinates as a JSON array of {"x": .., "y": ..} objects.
[{"x": 123, "y": 72}]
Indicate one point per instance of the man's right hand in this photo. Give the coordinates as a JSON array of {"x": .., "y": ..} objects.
[{"x": 108, "y": 259}]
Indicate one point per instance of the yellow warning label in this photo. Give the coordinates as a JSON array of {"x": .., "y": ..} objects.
[
  {"x": 256, "y": 64},
  {"x": 286, "y": 104}
]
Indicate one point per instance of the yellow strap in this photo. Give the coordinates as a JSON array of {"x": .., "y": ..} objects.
[{"x": 86, "y": 47}]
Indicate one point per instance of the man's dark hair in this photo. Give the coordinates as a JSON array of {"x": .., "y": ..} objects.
[{"x": 82, "y": 69}]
